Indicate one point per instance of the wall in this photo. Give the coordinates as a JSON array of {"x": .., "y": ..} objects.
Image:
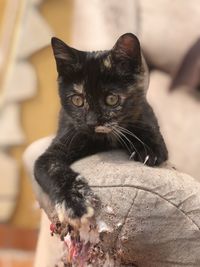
[{"x": 39, "y": 114}]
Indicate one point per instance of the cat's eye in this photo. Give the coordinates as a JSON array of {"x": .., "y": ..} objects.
[
  {"x": 77, "y": 100},
  {"x": 112, "y": 100}
]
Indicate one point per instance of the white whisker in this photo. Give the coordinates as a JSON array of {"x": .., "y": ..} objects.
[
  {"x": 125, "y": 138},
  {"x": 129, "y": 141},
  {"x": 122, "y": 142},
  {"x": 72, "y": 140},
  {"x": 131, "y": 133},
  {"x": 136, "y": 137}
]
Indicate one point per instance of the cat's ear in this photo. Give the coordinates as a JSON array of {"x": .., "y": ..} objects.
[
  {"x": 65, "y": 56},
  {"x": 127, "y": 47}
]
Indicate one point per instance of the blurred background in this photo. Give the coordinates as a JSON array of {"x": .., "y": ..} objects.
[
  {"x": 170, "y": 37},
  {"x": 28, "y": 111}
]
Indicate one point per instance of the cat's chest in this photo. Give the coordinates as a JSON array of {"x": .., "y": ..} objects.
[{"x": 106, "y": 142}]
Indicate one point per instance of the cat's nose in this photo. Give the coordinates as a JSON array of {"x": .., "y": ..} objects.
[{"x": 91, "y": 119}]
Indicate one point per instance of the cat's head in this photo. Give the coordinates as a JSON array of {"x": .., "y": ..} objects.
[{"x": 99, "y": 90}]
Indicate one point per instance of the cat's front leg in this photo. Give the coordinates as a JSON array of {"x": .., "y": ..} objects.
[
  {"x": 150, "y": 152},
  {"x": 78, "y": 204},
  {"x": 68, "y": 191},
  {"x": 148, "y": 146}
]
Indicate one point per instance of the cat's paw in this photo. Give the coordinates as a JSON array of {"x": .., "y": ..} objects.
[
  {"x": 79, "y": 204},
  {"x": 149, "y": 156}
]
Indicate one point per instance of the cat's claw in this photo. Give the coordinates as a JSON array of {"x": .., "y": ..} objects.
[
  {"x": 154, "y": 159},
  {"x": 149, "y": 159},
  {"x": 146, "y": 159},
  {"x": 132, "y": 155}
]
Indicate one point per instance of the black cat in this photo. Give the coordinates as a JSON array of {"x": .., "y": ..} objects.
[{"x": 104, "y": 107}]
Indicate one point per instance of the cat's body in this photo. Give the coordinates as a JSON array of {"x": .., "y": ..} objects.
[{"x": 104, "y": 107}]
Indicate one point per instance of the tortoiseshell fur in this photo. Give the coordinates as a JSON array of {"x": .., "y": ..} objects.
[{"x": 131, "y": 125}]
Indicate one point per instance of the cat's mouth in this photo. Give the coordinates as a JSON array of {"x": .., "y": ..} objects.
[{"x": 103, "y": 129}]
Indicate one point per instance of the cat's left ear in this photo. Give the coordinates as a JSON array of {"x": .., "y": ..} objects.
[
  {"x": 127, "y": 47},
  {"x": 66, "y": 57}
]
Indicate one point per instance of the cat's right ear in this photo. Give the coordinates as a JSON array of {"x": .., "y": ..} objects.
[{"x": 66, "y": 57}]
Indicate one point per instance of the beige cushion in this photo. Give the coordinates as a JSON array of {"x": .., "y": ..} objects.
[
  {"x": 179, "y": 115},
  {"x": 156, "y": 216}
]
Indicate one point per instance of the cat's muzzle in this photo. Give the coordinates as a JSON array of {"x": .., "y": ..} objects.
[{"x": 102, "y": 129}]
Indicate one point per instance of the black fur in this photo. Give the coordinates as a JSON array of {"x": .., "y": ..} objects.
[{"x": 96, "y": 75}]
